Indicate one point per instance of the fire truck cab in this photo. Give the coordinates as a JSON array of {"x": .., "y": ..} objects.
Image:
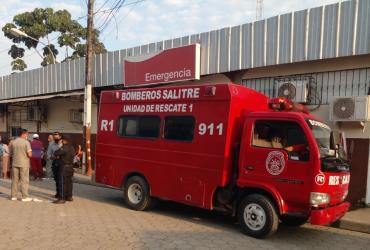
[{"x": 222, "y": 146}]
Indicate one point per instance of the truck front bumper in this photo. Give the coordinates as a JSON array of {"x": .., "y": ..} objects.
[{"x": 328, "y": 215}]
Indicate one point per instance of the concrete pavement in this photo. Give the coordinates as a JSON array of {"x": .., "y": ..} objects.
[
  {"x": 97, "y": 219},
  {"x": 356, "y": 220}
]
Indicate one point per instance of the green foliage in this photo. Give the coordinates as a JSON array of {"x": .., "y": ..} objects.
[
  {"x": 18, "y": 64},
  {"x": 16, "y": 52},
  {"x": 40, "y": 24}
]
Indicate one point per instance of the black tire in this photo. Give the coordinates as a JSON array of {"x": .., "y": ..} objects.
[
  {"x": 293, "y": 221},
  {"x": 137, "y": 194},
  {"x": 258, "y": 207}
]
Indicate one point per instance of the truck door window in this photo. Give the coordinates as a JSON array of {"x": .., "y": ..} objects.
[
  {"x": 179, "y": 128},
  {"x": 281, "y": 135},
  {"x": 139, "y": 126}
]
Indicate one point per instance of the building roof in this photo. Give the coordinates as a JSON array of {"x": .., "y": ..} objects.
[{"x": 336, "y": 30}]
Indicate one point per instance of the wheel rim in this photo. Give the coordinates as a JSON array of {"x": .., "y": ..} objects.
[
  {"x": 254, "y": 216},
  {"x": 135, "y": 193}
]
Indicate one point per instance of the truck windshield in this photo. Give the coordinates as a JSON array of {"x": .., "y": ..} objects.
[{"x": 322, "y": 133}]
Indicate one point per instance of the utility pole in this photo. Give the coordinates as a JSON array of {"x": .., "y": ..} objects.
[
  {"x": 259, "y": 10},
  {"x": 88, "y": 86}
]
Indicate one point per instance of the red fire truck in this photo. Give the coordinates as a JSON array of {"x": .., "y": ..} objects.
[{"x": 225, "y": 147}]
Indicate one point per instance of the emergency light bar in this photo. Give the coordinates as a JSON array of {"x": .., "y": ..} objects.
[
  {"x": 280, "y": 104},
  {"x": 284, "y": 104}
]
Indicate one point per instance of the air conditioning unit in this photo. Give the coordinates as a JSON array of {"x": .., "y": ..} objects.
[
  {"x": 354, "y": 108},
  {"x": 36, "y": 113},
  {"x": 295, "y": 90},
  {"x": 75, "y": 116}
]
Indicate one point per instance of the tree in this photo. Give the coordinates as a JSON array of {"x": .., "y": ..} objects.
[
  {"x": 18, "y": 64},
  {"x": 41, "y": 24}
]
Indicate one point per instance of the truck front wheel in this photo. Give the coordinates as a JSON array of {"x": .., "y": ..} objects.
[
  {"x": 257, "y": 216},
  {"x": 137, "y": 194}
]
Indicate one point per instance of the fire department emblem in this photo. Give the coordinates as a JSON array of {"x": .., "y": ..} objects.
[
  {"x": 320, "y": 179},
  {"x": 275, "y": 163}
]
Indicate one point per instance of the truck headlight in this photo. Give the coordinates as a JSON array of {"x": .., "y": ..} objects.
[
  {"x": 345, "y": 195},
  {"x": 317, "y": 199}
]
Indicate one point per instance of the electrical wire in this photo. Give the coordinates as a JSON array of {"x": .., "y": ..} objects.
[
  {"x": 134, "y": 4},
  {"x": 111, "y": 13},
  {"x": 32, "y": 53}
]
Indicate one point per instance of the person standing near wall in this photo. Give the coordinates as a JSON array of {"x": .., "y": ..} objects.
[
  {"x": 48, "y": 158},
  {"x": 37, "y": 153},
  {"x": 65, "y": 186},
  {"x": 55, "y": 162},
  {"x": 1, "y": 156},
  {"x": 21, "y": 152},
  {"x": 6, "y": 160}
]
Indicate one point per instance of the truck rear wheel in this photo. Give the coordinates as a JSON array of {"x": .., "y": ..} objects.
[
  {"x": 257, "y": 216},
  {"x": 137, "y": 194}
]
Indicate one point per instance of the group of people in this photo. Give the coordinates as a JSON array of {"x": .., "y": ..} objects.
[{"x": 20, "y": 157}]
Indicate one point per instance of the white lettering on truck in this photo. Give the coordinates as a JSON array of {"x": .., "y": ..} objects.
[
  {"x": 336, "y": 180},
  {"x": 204, "y": 128},
  {"x": 106, "y": 125},
  {"x": 166, "y": 94},
  {"x": 159, "y": 108},
  {"x": 161, "y": 94}
]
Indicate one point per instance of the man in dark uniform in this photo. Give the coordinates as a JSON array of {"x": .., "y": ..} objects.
[
  {"x": 65, "y": 155},
  {"x": 53, "y": 147}
]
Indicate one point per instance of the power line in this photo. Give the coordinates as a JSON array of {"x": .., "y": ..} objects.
[
  {"x": 102, "y": 6},
  {"x": 111, "y": 14},
  {"x": 9, "y": 64},
  {"x": 134, "y": 4},
  {"x": 4, "y": 50},
  {"x": 116, "y": 7},
  {"x": 36, "y": 51}
]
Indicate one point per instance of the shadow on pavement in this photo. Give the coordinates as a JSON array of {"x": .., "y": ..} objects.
[{"x": 217, "y": 220}]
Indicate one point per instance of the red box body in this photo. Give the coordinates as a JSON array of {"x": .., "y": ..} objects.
[{"x": 191, "y": 172}]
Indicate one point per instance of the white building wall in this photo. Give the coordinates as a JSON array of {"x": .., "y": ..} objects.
[{"x": 57, "y": 117}]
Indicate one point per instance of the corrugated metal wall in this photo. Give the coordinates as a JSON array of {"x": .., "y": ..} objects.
[
  {"x": 326, "y": 85},
  {"x": 341, "y": 29}
]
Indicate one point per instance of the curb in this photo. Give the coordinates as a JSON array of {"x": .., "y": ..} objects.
[
  {"x": 353, "y": 226},
  {"x": 85, "y": 181}
]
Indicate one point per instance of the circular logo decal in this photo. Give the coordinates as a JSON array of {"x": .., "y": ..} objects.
[
  {"x": 320, "y": 179},
  {"x": 275, "y": 163}
]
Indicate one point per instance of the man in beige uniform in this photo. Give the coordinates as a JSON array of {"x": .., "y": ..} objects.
[{"x": 21, "y": 152}]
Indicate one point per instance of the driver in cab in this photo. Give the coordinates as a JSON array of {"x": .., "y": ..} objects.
[{"x": 267, "y": 137}]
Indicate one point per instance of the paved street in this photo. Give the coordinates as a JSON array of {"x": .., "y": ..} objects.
[{"x": 97, "y": 219}]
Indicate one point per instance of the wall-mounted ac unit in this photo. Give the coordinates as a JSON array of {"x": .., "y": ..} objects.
[
  {"x": 36, "y": 113},
  {"x": 354, "y": 108},
  {"x": 75, "y": 116},
  {"x": 295, "y": 90}
]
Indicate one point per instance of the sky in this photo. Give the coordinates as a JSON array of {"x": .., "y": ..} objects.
[{"x": 148, "y": 20}]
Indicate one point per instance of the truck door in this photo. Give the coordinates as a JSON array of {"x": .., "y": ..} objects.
[{"x": 277, "y": 154}]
